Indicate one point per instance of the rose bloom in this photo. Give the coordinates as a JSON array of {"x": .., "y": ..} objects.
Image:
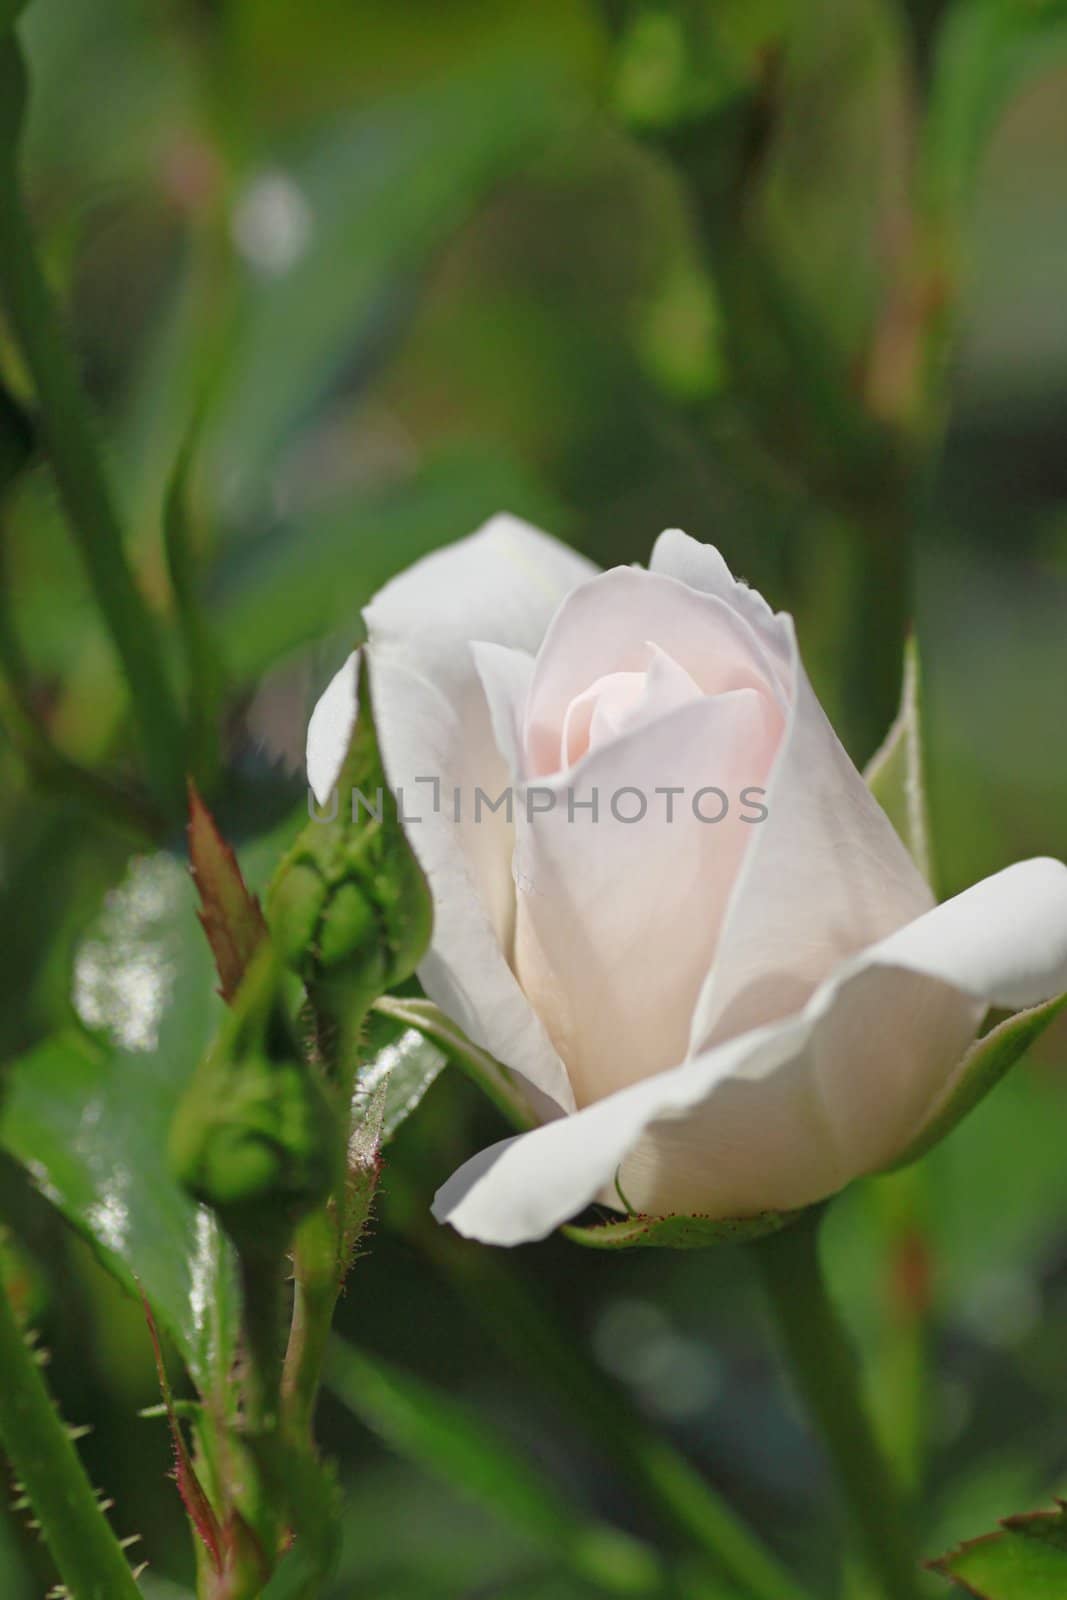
[{"x": 712, "y": 1018}]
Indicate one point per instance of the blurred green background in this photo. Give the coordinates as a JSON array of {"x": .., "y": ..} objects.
[{"x": 613, "y": 269}]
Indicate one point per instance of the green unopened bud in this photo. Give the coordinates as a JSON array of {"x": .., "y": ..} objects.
[
  {"x": 257, "y": 1137},
  {"x": 350, "y": 909}
]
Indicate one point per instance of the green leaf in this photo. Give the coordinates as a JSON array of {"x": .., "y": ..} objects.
[
  {"x": 491, "y": 1076},
  {"x": 981, "y": 1069},
  {"x": 1027, "y": 1560},
  {"x": 90, "y": 1117},
  {"x": 678, "y": 1232},
  {"x": 894, "y": 773},
  {"x": 449, "y": 1440}
]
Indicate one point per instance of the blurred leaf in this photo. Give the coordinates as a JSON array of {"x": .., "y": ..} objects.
[
  {"x": 895, "y": 773},
  {"x": 449, "y": 1440},
  {"x": 678, "y": 1232},
  {"x": 230, "y": 917},
  {"x": 403, "y": 1063},
  {"x": 313, "y": 573},
  {"x": 1026, "y": 1561},
  {"x": 9, "y": 10},
  {"x": 494, "y": 1079},
  {"x": 202, "y": 666},
  {"x": 16, "y": 437},
  {"x": 296, "y": 1578},
  {"x": 378, "y": 196},
  {"x": 982, "y": 1068},
  {"x": 986, "y": 50}
]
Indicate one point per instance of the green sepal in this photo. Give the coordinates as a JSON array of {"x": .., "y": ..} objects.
[
  {"x": 895, "y": 774},
  {"x": 257, "y": 1135},
  {"x": 349, "y": 907},
  {"x": 1026, "y": 1559},
  {"x": 981, "y": 1069},
  {"x": 678, "y": 1232},
  {"x": 498, "y": 1082}
]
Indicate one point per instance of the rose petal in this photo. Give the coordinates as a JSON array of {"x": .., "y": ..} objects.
[
  {"x": 826, "y": 877},
  {"x": 784, "y": 1115},
  {"x": 701, "y": 567},
  {"x": 330, "y": 729},
  {"x": 622, "y": 701},
  {"x": 502, "y": 584},
  {"x": 606, "y": 627},
  {"x": 617, "y": 919}
]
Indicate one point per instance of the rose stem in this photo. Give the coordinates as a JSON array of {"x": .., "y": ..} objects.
[
  {"x": 86, "y": 1552},
  {"x": 826, "y": 1372}
]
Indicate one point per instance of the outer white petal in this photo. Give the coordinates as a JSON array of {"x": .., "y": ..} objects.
[
  {"x": 330, "y": 729},
  {"x": 524, "y": 1187},
  {"x": 786, "y": 1114},
  {"x": 825, "y": 878},
  {"x": 503, "y": 585},
  {"x": 827, "y": 875}
]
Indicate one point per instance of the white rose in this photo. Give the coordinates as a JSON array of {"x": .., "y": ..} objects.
[{"x": 712, "y": 1017}]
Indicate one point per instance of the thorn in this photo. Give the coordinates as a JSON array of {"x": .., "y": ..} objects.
[
  {"x": 78, "y": 1430},
  {"x": 130, "y": 1539}
]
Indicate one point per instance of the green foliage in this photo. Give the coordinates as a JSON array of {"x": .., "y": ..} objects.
[
  {"x": 1026, "y": 1560},
  {"x": 380, "y": 194},
  {"x": 451, "y": 1441},
  {"x": 144, "y": 977},
  {"x": 987, "y": 49},
  {"x": 298, "y": 580}
]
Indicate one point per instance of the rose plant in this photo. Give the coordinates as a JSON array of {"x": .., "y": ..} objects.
[{"x": 711, "y": 1015}]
